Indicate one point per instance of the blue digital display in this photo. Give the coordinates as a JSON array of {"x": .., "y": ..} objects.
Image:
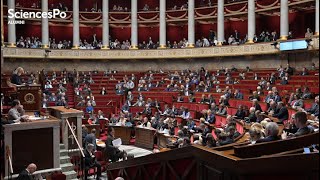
[
  {"x": 299, "y": 45},
  {"x": 293, "y": 45}
]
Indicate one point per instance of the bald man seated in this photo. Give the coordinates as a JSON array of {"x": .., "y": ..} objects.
[{"x": 27, "y": 173}]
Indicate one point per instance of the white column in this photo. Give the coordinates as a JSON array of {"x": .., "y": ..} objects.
[
  {"x": 191, "y": 33},
  {"x": 220, "y": 22},
  {"x": 134, "y": 24},
  {"x": 163, "y": 29},
  {"x": 251, "y": 20},
  {"x": 284, "y": 20},
  {"x": 316, "y": 32},
  {"x": 76, "y": 26},
  {"x": 11, "y": 26},
  {"x": 105, "y": 24},
  {"x": 45, "y": 25}
]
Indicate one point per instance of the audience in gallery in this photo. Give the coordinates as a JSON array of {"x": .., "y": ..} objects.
[{"x": 234, "y": 39}]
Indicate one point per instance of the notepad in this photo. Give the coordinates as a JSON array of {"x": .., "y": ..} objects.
[{"x": 117, "y": 142}]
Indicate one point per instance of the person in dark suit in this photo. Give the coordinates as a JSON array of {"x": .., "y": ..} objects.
[
  {"x": 252, "y": 116},
  {"x": 300, "y": 121},
  {"x": 271, "y": 131},
  {"x": 210, "y": 117},
  {"x": 236, "y": 35},
  {"x": 211, "y": 35},
  {"x": 240, "y": 114},
  {"x": 289, "y": 70},
  {"x": 282, "y": 112},
  {"x": 91, "y": 161},
  {"x": 113, "y": 152},
  {"x": 26, "y": 173},
  {"x": 256, "y": 105},
  {"x": 91, "y": 139},
  {"x": 314, "y": 110},
  {"x": 237, "y": 94},
  {"x": 210, "y": 99},
  {"x": 16, "y": 77}
]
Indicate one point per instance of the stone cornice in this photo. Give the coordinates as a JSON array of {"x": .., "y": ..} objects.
[{"x": 221, "y": 51}]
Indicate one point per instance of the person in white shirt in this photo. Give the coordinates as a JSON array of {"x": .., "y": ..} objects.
[
  {"x": 16, "y": 113},
  {"x": 48, "y": 85},
  {"x": 206, "y": 42},
  {"x": 130, "y": 85},
  {"x": 146, "y": 123}
]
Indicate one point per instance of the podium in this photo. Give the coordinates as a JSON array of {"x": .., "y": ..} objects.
[
  {"x": 29, "y": 96},
  {"x": 75, "y": 119},
  {"x": 145, "y": 137},
  {"x": 33, "y": 142}
]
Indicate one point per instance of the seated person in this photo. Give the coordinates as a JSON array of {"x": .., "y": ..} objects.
[
  {"x": 146, "y": 123},
  {"x": 185, "y": 114},
  {"x": 314, "y": 110},
  {"x": 203, "y": 99},
  {"x": 16, "y": 113},
  {"x": 91, "y": 161},
  {"x": 140, "y": 102},
  {"x": 300, "y": 121},
  {"x": 211, "y": 142},
  {"x": 125, "y": 108},
  {"x": 147, "y": 110},
  {"x": 240, "y": 114},
  {"x": 272, "y": 108},
  {"x": 255, "y": 134},
  {"x": 271, "y": 132},
  {"x": 233, "y": 133},
  {"x": 224, "y": 139},
  {"x": 256, "y": 105},
  {"x": 89, "y": 108},
  {"x": 222, "y": 110},
  {"x": 210, "y": 117},
  {"x": 112, "y": 152},
  {"x": 103, "y": 91},
  {"x": 282, "y": 112},
  {"x": 252, "y": 115}
]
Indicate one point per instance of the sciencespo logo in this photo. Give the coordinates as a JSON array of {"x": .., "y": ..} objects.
[{"x": 33, "y": 15}]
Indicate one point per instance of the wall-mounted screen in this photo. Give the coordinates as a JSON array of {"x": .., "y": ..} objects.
[{"x": 293, "y": 45}]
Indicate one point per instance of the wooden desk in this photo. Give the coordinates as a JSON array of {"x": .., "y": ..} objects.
[
  {"x": 145, "y": 137},
  {"x": 36, "y": 141},
  {"x": 163, "y": 140},
  {"x": 75, "y": 119},
  {"x": 124, "y": 133}
]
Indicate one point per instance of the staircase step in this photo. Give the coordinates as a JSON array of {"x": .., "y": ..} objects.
[
  {"x": 70, "y": 174},
  {"x": 64, "y": 159},
  {"x": 63, "y": 152},
  {"x": 66, "y": 167},
  {"x": 62, "y": 146}
]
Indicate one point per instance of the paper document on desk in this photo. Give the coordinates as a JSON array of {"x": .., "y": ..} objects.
[
  {"x": 117, "y": 142},
  {"x": 33, "y": 118}
]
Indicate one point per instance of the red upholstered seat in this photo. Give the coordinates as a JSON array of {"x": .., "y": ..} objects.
[{"x": 58, "y": 177}]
